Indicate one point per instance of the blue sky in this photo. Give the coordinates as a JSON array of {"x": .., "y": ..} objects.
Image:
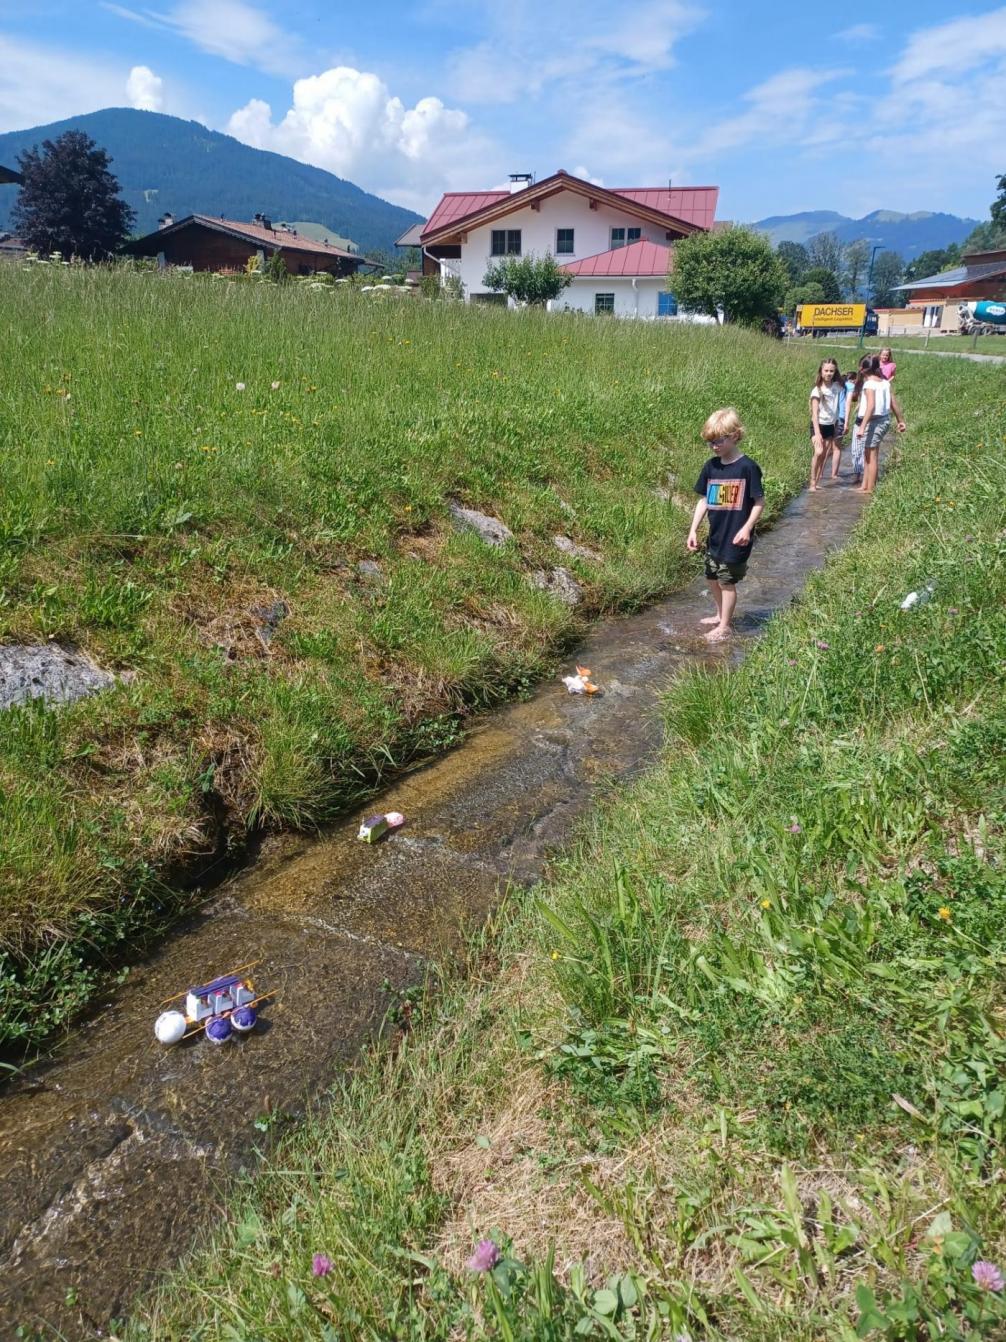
[{"x": 784, "y": 105}]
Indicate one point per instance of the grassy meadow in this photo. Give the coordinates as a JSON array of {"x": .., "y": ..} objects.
[
  {"x": 183, "y": 459},
  {"x": 737, "y": 1070}
]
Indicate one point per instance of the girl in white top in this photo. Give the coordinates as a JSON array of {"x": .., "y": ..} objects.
[
  {"x": 876, "y": 399},
  {"x": 825, "y": 426}
]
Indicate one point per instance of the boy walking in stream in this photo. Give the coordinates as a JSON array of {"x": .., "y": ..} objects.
[{"x": 732, "y": 497}]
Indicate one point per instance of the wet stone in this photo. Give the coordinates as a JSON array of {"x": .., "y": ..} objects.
[
  {"x": 48, "y": 671},
  {"x": 490, "y": 529}
]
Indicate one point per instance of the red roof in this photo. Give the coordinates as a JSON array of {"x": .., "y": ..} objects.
[
  {"x": 456, "y": 205},
  {"x": 694, "y": 204},
  {"x": 639, "y": 258}
]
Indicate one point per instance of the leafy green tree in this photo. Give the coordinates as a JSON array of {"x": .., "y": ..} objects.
[
  {"x": 857, "y": 258},
  {"x": 827, "y": 252},
  {"x": 794, "y": 257},
  {"x": 998, "y": 210},
  {"x": 70, "y": 201},
  {"x": 530, "y": 279},
  {"x": 803, "y": 293},
  {"x": 734, "y": 269},
  {"x": 933, "y": 262},
  {"x": 828, "y": 281},
  {"x": 888, "y": 271}
]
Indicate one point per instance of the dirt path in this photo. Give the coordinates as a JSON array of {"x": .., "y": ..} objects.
[
  {"x": 938, "y": 353},
  {"x": 117, "y": 1151}
]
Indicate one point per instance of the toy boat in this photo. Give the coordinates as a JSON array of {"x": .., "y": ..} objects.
[
  {"x": 376, "y": 826},
  {"x": 221, "y": 1009}
]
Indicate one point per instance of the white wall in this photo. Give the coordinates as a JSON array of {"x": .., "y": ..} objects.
[
  {"x": 629, "y": 302},
  {"x": 566, "y": 209}
]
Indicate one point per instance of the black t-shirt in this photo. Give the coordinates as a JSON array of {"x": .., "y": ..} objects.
[{"x": 730, "y": 492}]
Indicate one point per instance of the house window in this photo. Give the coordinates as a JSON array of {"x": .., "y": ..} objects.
[
  {"x": 621, "y": 237},
  {"x": 505, "y": 242},
  {"x": 564, "y": 242},
  {"x": 667, "y": 305},
  {"x": 604, "y": 303}
]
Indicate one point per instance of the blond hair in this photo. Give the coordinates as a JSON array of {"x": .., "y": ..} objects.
[{"x": 725, "y": 423}]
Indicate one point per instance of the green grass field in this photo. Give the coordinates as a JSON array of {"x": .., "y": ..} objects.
[
  {"x": 179, "y": 453},
  {"x": 736, "y": 1071},
  {"x": 986, "y": 344}
]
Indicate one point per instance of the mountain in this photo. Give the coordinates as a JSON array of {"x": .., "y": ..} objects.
[
  {"x": 909, "y": 234},
  {"x": 164, "y": 163}
]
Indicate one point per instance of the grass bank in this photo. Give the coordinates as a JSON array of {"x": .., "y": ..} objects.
[
  {"x": 737, "y": 1070},
  {"x": 191, "y": 473},
  {"x": 986, "y": 344}
]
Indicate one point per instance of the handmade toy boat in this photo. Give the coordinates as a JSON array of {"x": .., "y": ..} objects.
[{"x": 226, "y": 1006}]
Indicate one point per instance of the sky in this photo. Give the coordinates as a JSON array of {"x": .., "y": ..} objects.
[{"x": 785, "y": 106}]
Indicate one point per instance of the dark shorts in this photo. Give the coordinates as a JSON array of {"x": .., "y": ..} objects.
[
  {"x": 827, "y": 430},
  {"x": 727, "y": 575}
]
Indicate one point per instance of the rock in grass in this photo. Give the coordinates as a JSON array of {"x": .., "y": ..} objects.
[
  {"x": 48, "y": 671},
  {"x": 570, "y": 547},
  {"x": 490, "y": 529},
  {"x": 558, "y": 582}
]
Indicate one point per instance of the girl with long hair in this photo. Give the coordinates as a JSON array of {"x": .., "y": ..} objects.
[
  {"x": 825, "y": 421},
  {"x": 875, "y": 401}
]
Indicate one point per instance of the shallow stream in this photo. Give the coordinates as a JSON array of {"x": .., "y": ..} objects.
[{"x": 115, "y": 1152}]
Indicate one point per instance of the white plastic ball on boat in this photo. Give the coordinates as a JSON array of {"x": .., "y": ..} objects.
[{"x": 169, "y": 1027}]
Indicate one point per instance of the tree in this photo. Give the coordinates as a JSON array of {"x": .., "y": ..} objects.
[
  {"x": 826, "y": 251},
  {"x": 794, "y": 257},
  {"x": 934, "y": 261},
  {"x": 803, "y": 293},
  {"x": 531, "y": 279},
  {"x": 857, "y": 258},
  {"x": 828, "y": 281},
  {"x": 69, "y": 201},
  {"x": 888, "y": 270},
  {"x": 734, "y": 269},
  {"x": 998, "y": 209}
]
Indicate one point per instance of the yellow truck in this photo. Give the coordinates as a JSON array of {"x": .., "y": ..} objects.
[{"x": 820, "y": 318}]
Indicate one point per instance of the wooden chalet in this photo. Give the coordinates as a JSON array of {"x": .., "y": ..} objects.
[{"x": 205, "y": 242}]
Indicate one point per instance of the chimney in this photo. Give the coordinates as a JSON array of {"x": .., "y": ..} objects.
[
  {"x": 520, "y": 181},
  {"x": 166, "y": 220}
]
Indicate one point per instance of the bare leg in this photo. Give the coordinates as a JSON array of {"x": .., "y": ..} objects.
[
  {"x": 836, "y": 457},
  {"x": 716, "y": 592},
  {"x": 817, "y": 466},
  {"x": 728, "y": 601},
  {"x": 870, "y": 478}
]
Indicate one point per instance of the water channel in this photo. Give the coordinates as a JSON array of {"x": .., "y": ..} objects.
[{"x": 116, "y": 1152}]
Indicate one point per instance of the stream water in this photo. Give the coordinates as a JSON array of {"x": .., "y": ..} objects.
[{"x": 116, "y": 1152}]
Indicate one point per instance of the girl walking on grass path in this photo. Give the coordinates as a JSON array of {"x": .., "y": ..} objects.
[
  {"x": 876, "y": 401},
  {"x": 825, "y": 421}
]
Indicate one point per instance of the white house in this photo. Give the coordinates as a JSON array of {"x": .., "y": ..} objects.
[{"x": 618, "y": 245}]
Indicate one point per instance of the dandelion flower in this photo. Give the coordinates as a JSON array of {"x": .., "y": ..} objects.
[
  {"x": 944, "y": 913},
  {"x": 239, "y": 386},
  {"x": 766, "y": 903},
  {"x": 485, "y": 1257},
  {"x": 987, "y": 1275},
  {"x": 555, "y": 955},
  {"x": 321, "y": 1265}
]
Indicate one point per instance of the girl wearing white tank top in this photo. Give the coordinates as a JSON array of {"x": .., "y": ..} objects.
[{"x": 876, "y": 401}]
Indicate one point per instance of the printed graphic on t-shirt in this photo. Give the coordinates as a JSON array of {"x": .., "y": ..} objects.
[{"x": 726, "y": 494}]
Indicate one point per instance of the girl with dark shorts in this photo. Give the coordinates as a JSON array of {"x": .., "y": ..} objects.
[{"x": 825, "y": 421}]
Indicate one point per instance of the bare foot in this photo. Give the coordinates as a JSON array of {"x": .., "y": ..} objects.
[
  {"x": 812, "y": 489},
  {"x": 718, "y": 634},
  {"x": 710, "y": 619}
]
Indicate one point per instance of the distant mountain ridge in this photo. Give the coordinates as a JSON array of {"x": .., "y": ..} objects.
[
  {"x": 165, "y": 163},
  {"x": 909, "y": 234}
]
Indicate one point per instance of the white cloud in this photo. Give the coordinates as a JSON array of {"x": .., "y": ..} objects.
[
  {"x": 579, "y": 41},
  {"x": 859, "y": 32},
  {"x": 348, "y": 122},
  {"x": 953, "y": 48},
  {"x": 233, "y": 29},
  {"x": 144, "y": 89},
  {"x": 42, "y": 83}
]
